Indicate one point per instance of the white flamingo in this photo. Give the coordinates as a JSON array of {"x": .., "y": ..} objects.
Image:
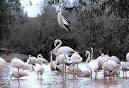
[
  {"x": 31, "y": 60},
  {"x": 109, "y": 65},
  {"x": 114, "y": 58},
  {"x": 76, "y": 59},
  {"x": 18, "y": 74},
  {"x": 94, "y": 67},
  {"x": 102, "y": 59},
  {"x": 41, "y": 60},
  {"x": 88, "y": 71},
  {"x": 53, "y": 64},
  {"x": 62, "y": 21},
  {"x": 124, "y": 67},
  {"x": 91, "y": 65},
  {"x": 61, "y": 49},
  {"x": 88, "y": 57},
  {"x": 2, "y": 61},
  {"x": 62, "y": 59},
  {"x": 19, "y": 65},
  {"x": 39, "y": 70},
  {"x": 127, "y": 56}
]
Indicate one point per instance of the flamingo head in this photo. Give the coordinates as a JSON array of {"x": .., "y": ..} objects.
[
  {"x": 102, "y": 54},
  {"x": 39, "y": 55},
  {"x": 29, "y": 55},
  {"x": 56, "y": 41},
  {"x": 87, "y": 52}
]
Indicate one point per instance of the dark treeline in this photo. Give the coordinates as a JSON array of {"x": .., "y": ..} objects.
[{"x": 101, "y": 24}]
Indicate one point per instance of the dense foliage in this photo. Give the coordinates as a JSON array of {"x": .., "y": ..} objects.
[{"x": 101, "y": 24}]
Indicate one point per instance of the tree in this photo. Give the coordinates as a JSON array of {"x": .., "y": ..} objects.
[{"x": 9, "y": 10}]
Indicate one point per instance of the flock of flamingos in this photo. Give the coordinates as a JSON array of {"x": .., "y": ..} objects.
[{"x": 67, "y": 61}]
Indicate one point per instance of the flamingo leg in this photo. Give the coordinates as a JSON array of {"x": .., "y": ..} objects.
[
  {"x": 123, "y": 73},
  {"x": 73, "y": 71},
  {"x": 126, "y": 74},
  {"x": 65, "y": 71},
  {"x": 18, "y": 77},
  {"x": 32, "y": 67},
  {"x": 77, "y": 71},
  {"x": 41, "y": 76},
  {"x": 91, "y": 74},
  {"x": 18, "y": 81},
  {"x": 18, "y": 73},
  {"x": 96, "y": 74},
  {"x": 104, "y": 74},
  {"x": 38, "y": 76}
]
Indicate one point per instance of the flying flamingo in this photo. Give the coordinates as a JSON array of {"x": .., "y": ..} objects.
[{"x": 62, "y": 21}]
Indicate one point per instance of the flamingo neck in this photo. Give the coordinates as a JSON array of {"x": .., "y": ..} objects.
[
  {"x": 29, "y": 56},
  {"x": 51, "y": 57},
  {"x": 57, "y": 47},
  {"x": 88, "y": 58},
  {"x": 91, "y": 56}
]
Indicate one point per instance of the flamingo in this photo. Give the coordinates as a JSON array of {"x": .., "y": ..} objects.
[
  {"x": 61, "y": 49},
  {"x": 114, "y": 58},
  {"x": 127, "y": 56},
  {"x": 124, "y": 67},
  {"x": 62, "y": 21},
  {"x": 39, "y": 70},
  {"x": 88, "y": 71},
  {"x": 89, "y": 57},
  {"x": 40, "y": 59},
  {"x": 31, "y": 60},
  {"x": 102, "y": 59},
  {"x": 52, "y": 63},
  {"x": 19, "y": 65},
  {"x": 94, "y": 67},
  {"x": 2, "y": 62},
  {"x": 18, "y": 74},
  {"x": 91, "y": 65},
  {"x": 76, "y": 59},
  {"x": 63, "y": 59},
  {"x": 108, "y": 64}
]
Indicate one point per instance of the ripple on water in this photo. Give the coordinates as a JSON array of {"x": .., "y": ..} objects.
[{"x": 52, "y": 79}]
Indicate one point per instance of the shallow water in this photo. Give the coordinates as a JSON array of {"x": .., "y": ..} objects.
[{"x": 52, "y": 79}]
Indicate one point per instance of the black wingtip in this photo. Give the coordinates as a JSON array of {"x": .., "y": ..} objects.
[{"x": 68, "y": 29}]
